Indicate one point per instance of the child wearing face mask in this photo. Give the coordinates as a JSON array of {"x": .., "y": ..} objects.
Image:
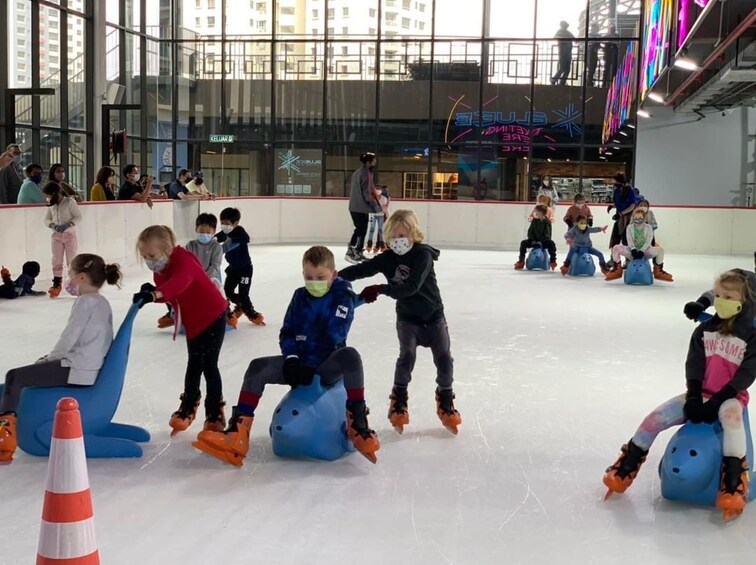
[
  {"x": 235, "y": 241},
  {"x": 580, "y": 236},
  {"x": 30, "y": 192},
  {"x": 545, "y": 201},
  {"x": 547, "y": 189},
  {"x": 720, "y": 367},
  {"x": 313, "y": 341},
  {"x": 578, "y": 208},
  {"x": 408, "y": 267},
  {"x": 80, "y": 351},
  {"x": 539, "y": 235},
  {"x": 639, "y": 238},
  {"x": 198, "y": 304},
  {"x": 61, "y": 217},
  {"x": 210, "y": 255},
  {"x": 693, "y": 310}
]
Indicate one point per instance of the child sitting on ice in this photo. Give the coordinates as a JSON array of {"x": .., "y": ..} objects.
[
  {"x": 720, "y": 367},
  {"x": 580, "y": 237},
  {"x": 545, "y": 201},
  {"x": 639, "y": 237},
  {"x": 23, "y": 285},
  {"x": 539, "y": 235}
]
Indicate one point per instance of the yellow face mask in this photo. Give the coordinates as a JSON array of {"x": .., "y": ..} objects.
[
  {"x": 582, "y": 226},
  {"x": 727, "y": 309}
]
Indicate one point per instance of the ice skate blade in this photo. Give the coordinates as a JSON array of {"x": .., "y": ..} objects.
[
  {"x": 370, "y": 457},
  {"x": 222, "y": 455},
  {"x": 452, "y": 429},
  {"x": 399, "y": 429},
  {"x": 609, "y": 493}
]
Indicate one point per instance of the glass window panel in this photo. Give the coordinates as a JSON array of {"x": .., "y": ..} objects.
[
  {"x": 459, "y": 19},
  {"x": 78, "y": 5},
  {"x": 248, "y": 85},
  {"x": 299, "y": 91},
  {"x": 351, "y": 79},
  {"x": 404, "y": 103},
  {"x": 159, "y": 91},
  {"x": 352, "y": 19},
  {"x": 157, "y": 20},
  {"x": 511, "y": 19},
  {"x": 112, "y": 59},
  {"x": 558, "y": 114},
  {"x": 133, "y": 14},
  {"x": 19, "y": 44},
  {"x": 509, "y": 62},
  {"x": 563, "y": 165},
  {"x": 76, "y": 173},
  {"x": 403, "y": 168},
  {"x": 551, "y": 13},
  {"x": 130, "y": 74},
  {"x": 406, "y": 19},
  {"x": 51, "y": 60},
  {"x": 254, "y": 21},
  {"x": 198, "y": 102},
  {"x": 77, "y": 72},
  {"x": 49, "y": 149},
  {"x": 113, "y": 11}
]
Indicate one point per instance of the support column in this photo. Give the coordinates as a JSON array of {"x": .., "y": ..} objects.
[{"x": 97, "y": 77}]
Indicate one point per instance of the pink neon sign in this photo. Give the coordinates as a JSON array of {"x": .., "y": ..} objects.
[{"x": 686, "y": 19}]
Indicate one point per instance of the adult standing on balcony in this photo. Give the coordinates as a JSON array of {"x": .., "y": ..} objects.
[
  {"x": 593, "y": 53},
  {"x": 564, "y": 38},
  {"x": 611, "y": 56},
  {"x": 11, "y": 176},
  {"x": 362, "y": 203}
]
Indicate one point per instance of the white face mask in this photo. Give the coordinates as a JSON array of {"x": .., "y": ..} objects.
[
  {"x": 400, "y": 246},
  {"x": 227, "y": 229},
  {"x": 546, "y": 182}
]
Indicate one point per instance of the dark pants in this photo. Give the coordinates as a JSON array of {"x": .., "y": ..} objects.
[
  {"x": 592, "y": 65},
  {"x": 343, "y": 363},
  {"x": 563, "y": 70},
  {"x": 48, "y": 374},
  {"x": 204, "y": 351},
  {"x": 619, "y": 231},
  {"x": 435, "y": 336},
  {"x": 241, "y": 278},
  {"x": 548, "y": 245},
  {"x": 360, "y": 221},
  {"x": 8, "y": 290}
]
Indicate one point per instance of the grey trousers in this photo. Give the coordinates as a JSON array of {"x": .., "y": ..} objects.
[
  {"x": 47, "y": 374},
  {"x": 436, "y": 337},
  {"x": 345, "y": 362}
]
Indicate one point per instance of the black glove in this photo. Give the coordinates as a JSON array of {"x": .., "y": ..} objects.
[
  {"x": 537, "y": 245},
  {"x": 710, "y": 411},
  {"x": 609, "y": 208},
  {"x": 305, "y": 375},
  {"x": 147, "y": 287},
  {"x": 221, "y": 236},
  {"x": 637, "y": 253},
  {"x": 291, "y": 368},
  {"x": 693, "y": 310},
  {"x": 693, "y": 408},
  {"x": 143, "y": 298},
  {"x": 615, "y": 217}
]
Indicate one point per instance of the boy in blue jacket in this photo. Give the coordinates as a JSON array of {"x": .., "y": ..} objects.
[
  {"x": 312, "y": 340},
  {"x": 235, "y": 241}
]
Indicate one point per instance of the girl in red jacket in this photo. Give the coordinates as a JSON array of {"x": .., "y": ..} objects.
[{"x": 181, "y": 281}]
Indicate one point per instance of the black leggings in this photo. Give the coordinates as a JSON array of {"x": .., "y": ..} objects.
[
  {"x": 241, "y": 278},
  {"x": 345, "y": 362},
  {"x": 204, "y": 351},
  {"x": 47, "y": 374},
  {"x": 360, "y": 221}
]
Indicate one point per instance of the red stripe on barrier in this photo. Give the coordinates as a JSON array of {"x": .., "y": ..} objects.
[
  {"x": 91, "y": 559},
  {"x": 66, "y": 508}
]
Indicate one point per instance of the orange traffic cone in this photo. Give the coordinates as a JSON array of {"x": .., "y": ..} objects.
[{"x": 67, "y": 533}]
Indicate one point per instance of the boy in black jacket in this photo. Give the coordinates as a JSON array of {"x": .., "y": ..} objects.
[
  {"x": 235, "y": 241},
  {"x": 23, "y": 285},
  {"x": 408, "y": 266}
]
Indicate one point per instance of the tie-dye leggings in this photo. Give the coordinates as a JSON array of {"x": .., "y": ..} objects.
[{"x": 671, "y": 414}]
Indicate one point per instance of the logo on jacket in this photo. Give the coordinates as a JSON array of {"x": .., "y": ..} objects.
[
  {"x": 342, "y": 311},
  {"x": 402, "y": 274}
]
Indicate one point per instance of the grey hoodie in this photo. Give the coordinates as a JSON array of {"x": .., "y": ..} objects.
[
  {"x": 210, "y": 256},
  {"x": 361, "y": 201}
]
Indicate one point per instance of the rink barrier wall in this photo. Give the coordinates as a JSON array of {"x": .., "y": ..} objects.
[{"x": 110, "y": 229}]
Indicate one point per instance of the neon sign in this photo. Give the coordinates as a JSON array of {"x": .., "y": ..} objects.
[
  {"x": 657, "y": 26},
  {"x": 684, "y": 19},
  {"x": 486, "y": 119},
  {"x": 621, "y": 95}
]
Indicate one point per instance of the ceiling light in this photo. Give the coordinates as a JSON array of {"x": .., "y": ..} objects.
[
  {"x": 617, "y": 147},
  {"x": 643, "y": 114},
  {"x": 631, "y": 126},
  {"x": 624, "y": 133},
  {"x": 608, "y": 153},
  {"x": 656, "y": 97},
  {"x": 686, "y": 63},
  {"x": 549, "y": 159},
  {"x": 602, "y": 157},
  {"x": 616, "y": 141}
]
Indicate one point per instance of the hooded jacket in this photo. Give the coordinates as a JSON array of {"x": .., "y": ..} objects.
[
  {"x": 362, "y": 193},
  {"x": 236, "y": 248},
  {"x": 411, "y": 282}
]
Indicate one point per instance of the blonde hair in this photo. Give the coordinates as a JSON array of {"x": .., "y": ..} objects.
[
  {"x": 734, "y": 280},
  {"x": 544, "y": 199},
  {"x": 162, "y": 235},
  {"x": 408, "y": 220},
  {"x": 638, "y": 212},
  {"x": 319, "y": 256}
]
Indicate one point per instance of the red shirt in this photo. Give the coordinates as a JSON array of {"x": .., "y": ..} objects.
[
  {"x": 573, "y": 212},
  {"x": 196, "y": 299}
]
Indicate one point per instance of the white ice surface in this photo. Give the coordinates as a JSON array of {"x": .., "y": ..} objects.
[{"x": 552, "y": 376}]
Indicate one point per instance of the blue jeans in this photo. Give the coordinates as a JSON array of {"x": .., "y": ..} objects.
[
  {"x": 580, "y": 250},
  {"x": 375, "y": 225}
]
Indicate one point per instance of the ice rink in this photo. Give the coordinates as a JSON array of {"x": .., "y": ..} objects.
[{"x": 552, "y": 375}]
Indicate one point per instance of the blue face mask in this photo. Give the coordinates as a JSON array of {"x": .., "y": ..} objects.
[
  {"x": 639, "y": 221},
  {"x": 204, "y": 237},
  {"x": 36, "y": 179}
]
